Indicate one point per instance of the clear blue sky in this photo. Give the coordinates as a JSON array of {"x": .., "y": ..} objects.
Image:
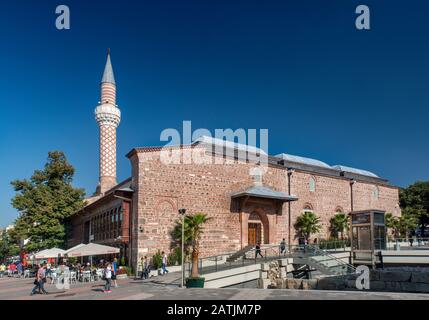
[{"x": 299, "y": 68}]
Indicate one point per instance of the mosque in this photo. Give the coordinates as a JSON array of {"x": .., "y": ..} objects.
[{"x": 138, "y": 214}]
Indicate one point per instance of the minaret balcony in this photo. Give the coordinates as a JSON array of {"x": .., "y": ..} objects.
[{"x": 107, "y": 114}]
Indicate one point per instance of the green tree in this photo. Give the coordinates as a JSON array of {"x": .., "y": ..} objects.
[
  {"x": 339, "y": 224},
  {"x": 401, "y": 226},
  {"x": 8, "y": 247},
  {"x": 45, "y": 202},
  {"x": 307, "y": 224},
  {"x": 392, "y": 223},
  {"x": 194, "y": 229},
  {"x": 414, "y": 201}
]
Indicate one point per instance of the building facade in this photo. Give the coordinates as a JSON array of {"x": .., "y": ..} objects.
[{"x": 245, "y": 203}]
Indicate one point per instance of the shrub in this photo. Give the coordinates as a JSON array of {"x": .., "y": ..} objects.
[
  {"x": 157, "y": 260},
  {"x": 178, "y": 252},
  {"x": 172, "y": 259},
  {"x": 122, "y": 261},
  {"x": 125, "y": 270}
]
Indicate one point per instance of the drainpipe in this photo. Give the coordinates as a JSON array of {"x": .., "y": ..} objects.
[
  {"x": 289, "y": 175},
  {"x": 352, "y": 182}
]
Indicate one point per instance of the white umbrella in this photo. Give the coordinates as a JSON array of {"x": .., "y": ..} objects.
[
  {"x": 75, "y": 247},
  {"x": 92, "y": 249},
  {"x": 49, "y": 253}
]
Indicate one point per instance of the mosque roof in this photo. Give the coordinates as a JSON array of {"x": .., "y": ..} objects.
[
  {"x": 303, "y": 160},
  {"x": 356, "y": 171},
  {"x": 228, "y": 144}
]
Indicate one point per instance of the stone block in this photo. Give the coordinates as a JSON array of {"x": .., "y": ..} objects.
[
  {"x": 351, "y": 284},
  {"x": 377, "y": 285},
  {"x": 391, "y": 286},
  {"x": 399, "y": 276},
  {"x": 312, "y": 284},
  {"x": 419, "y": 276},
  {"x": 265, "y": 267},
  {"x": 408, "y": 286},
  {"x": 374, "y": 275},
  {"x": 293, "y": 283},
  {"x": 263, "y": 283},
  {"x": 422, "y": 287}
]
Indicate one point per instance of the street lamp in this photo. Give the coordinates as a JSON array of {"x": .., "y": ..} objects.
[{"x": 183, "y": 212}]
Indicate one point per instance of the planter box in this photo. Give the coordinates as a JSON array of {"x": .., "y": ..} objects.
[
  {"x": 195, "y": 283},
  {"x": 122, "y": 276}
]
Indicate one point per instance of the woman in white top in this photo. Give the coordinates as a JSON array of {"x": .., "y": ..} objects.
[{"x": 108, "y": 278}]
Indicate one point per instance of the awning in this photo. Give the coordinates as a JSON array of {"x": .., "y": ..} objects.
[
  {"x": 49, "y": 253},
  {"x": 92, "y": 249},
  {"x": 264, "y": 192}
]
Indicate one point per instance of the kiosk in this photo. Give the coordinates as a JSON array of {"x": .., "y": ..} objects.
[{"x": 368, "y": 236}]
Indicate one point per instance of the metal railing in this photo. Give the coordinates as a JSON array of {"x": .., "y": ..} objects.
[
  {"x": 405, "y": 243},
  {"x": 325, "y": 260}
]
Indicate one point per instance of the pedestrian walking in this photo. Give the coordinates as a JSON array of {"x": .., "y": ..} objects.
[
  {"x": 258, "y": 250},
  {"x": 164, "y": 263},
  {"x": 108, "y": 278},
  {"x": 114, "y": 273},
  {"x": 145, "y": 268},
  {"x": 39, "y": 282}
]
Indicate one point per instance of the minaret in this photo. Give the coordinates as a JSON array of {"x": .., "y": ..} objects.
[{"x": 108, "y": 117}]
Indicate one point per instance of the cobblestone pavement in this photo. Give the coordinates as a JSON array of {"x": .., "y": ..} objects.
[{"x": 164, "y": 288}]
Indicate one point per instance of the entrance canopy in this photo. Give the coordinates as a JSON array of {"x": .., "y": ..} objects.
[
  {"x": 49, "y": 253},
  {"x": 92, "y": 249},
  {"x": 264, "y": 192},
  {"x": 261, "y": 193}
]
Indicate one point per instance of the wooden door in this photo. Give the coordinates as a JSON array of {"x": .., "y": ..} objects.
[{"x": 254, "y": 233}]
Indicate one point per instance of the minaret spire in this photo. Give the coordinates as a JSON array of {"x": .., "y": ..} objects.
[
  {"x": 108, "y": 75},
  {"x": 108, "y": 117}
]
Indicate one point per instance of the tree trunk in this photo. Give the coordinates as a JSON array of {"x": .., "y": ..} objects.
[{"x": 195, "y": 255}]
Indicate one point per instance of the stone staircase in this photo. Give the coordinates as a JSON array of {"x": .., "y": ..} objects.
[{"x": 239, "y": 254}]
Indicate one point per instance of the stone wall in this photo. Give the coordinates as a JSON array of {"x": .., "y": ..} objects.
[{"x": 380, "y": 280}]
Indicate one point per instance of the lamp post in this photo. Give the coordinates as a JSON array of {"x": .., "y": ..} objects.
[{"x": 183, "y": 212}]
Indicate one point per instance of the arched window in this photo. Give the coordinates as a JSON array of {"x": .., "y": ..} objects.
[
  {"x": 312, "y": 183},
  {"x": 308, "y": 208},
  {"x": 339, "y": 210},
  {"x": 254, "y": 216}
]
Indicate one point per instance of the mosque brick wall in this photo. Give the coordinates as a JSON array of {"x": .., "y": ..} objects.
[{"x": 160, "y": 190}]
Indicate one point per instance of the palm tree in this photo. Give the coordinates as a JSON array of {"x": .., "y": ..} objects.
[
  {"x": 402, "y": 225},
  {"x": 392, "y": 223},
  {"x": 308, "y": 223},
  {"x": 339, "y": 224},
  {"x": 192, "y": 233}
]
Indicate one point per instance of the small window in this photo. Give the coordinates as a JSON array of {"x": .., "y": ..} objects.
[
  {"x": 376, "y": 193},
  {"x": 312, "y": 184}
]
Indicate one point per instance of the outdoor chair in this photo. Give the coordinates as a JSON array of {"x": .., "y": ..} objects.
[
  {"x": 86, "y": 276},
  {"x": 73, "y": 277}
]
